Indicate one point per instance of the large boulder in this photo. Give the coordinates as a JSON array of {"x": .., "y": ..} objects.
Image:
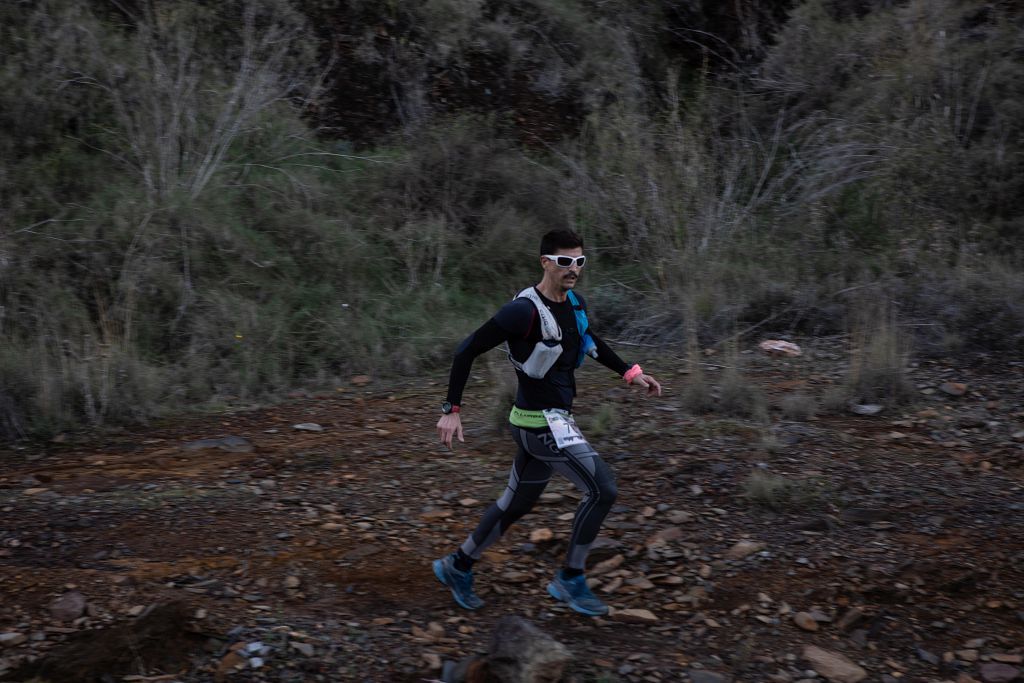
[{"x": 519, "y": 652}]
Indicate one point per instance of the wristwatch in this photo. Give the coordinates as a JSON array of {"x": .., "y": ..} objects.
[{"x": 447, "y": 408}]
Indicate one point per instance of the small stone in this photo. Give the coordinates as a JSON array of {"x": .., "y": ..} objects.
[
  {"x": 12, "y": 639},
  {"x": 743, "y": 549},
  {"x": 308, "y": 427},
  {"x": 926, "y": 656},
  {"x": 541, "y": 535},
  {"x": 136, "y": 610},
  {"x": 702, "y": 676},
  {"x": 230, "y": 662},
  {"x": 635, "y": 616},
  {"x": 679, "y": 517},
  {"x": 305, "y": 648},
  {"x": 469, "y": 502},
  {"x": 360, "y": 380},
  {"x": 953, "y": 388},
  {"x": 833, "y": 666},
  {"x": 608, "y": 565},
  {"x": 432, "y": 661},
  {"x": 68, "y": 607},
  {"x": 967, "y": 655},
  {"x": 997, "y": 672},
  {"x": 292, "y": 582},
  {"x": 671, "y": 533},
  {"x": 228, "y": 444},
  {"x": 866, "y": 408},
  {"x": 1008, "y": 658},
  {"x": 805, "y": 621}
]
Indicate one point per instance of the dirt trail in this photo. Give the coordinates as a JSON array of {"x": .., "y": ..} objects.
[{"x": 907, "y": 525}]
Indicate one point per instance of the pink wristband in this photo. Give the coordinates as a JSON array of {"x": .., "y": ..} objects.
[{"x": 632, "y": 373}]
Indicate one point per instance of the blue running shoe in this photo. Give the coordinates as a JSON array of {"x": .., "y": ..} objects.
[
  {"x": 460, "y": 583},
  {"x": 577, "y": 595}
]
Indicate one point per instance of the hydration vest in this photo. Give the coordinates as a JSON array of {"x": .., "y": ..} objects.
[{"x": 549, "y": 348}]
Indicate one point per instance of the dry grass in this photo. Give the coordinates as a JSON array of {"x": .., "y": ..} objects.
[
  {"x": 738, "y": 396},
  {"x": 780, "y": 493},
  {"x": 602, "y": 422},
  {"x": 798, "y": 406},
  {"x": 878, "y": 359}
]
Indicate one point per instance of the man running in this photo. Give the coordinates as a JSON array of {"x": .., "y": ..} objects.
[{"x": 548, "y": 335}]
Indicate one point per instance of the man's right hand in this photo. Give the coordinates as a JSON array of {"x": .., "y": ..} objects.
[{"x": 450, "y": 425}]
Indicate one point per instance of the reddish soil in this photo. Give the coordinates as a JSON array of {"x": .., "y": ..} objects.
[{"x": 914, "y": 517}]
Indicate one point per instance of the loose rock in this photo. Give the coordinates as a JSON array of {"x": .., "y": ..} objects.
[
  {"x": 743, "y": 549},
  {"x": 68, "y": 607},
  {"x": 833, "y": 666},
  {"x": 997, "y": 672},
  {"x": 805, "y": 621},
  {"x": 635, "y": 616},
  {"x": 11, "y": 639}
]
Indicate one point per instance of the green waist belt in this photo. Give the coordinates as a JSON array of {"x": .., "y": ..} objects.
[{"x": 531, "y": 419}]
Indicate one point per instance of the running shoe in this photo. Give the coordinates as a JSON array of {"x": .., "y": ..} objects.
[
  {"x": 575, "y": 593},
  {"x": 460, "y": 583}
]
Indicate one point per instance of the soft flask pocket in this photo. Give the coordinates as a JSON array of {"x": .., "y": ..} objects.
[{"x": 543, "y": 356}]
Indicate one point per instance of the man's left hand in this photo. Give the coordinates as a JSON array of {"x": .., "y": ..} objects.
[{"x": 649, "y": 383}]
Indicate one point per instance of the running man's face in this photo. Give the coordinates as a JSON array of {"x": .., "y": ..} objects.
[{"x": 565, "y": 278}]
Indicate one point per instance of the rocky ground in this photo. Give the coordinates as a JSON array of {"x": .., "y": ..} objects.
[{"x": 237, "y": 547}]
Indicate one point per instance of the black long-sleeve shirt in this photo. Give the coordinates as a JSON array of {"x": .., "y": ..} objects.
[{"x": 518, "y": 323}]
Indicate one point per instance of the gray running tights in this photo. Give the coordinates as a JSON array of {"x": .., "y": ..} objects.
[{"x": 538, "y": 456}]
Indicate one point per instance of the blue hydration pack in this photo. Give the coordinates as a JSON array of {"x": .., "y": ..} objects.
[{"x": 587, "y": 345}]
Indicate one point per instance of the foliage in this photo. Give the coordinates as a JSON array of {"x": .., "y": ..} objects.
[{"x": 185, "y": 215}]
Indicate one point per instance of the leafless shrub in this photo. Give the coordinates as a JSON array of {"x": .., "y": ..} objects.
[
  {"x": 878, "y": 358},
  {"x": 695, "y": 397},
  {"x": 738, "y": 396}
]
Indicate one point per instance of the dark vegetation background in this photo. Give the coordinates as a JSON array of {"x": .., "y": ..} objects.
[{"x": 210, "y": 202}]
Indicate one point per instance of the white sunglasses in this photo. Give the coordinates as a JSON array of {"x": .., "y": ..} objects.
[{"x": 566, "y": 261}]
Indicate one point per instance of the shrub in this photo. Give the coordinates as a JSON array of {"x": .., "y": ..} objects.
[
  {"x": 779, "y": 493},
  {"x": 798, "y": 406}
]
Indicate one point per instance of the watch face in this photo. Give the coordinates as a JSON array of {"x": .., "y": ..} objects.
[{"x": 446, "y": 407}]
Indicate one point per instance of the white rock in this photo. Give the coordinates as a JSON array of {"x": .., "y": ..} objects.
[
  {"x": 833, "y": 666},
  {"x": 866, "y": 408},
  {"x": 743, "y": 549},
  {"x": 308, "y": 427}
]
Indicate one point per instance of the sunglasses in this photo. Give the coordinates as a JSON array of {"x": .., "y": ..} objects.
[{"x": 566, "y": 261}]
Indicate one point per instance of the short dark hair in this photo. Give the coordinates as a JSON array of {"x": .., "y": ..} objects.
[{"x": 560, "y": 239}]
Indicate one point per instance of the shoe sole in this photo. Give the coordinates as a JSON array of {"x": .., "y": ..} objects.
[
  {"x": 439, "y": 573},
  {"x": 555, "y": 592}
]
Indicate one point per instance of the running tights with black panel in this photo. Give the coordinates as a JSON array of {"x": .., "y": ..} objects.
[{"x": 538, "y": 456}]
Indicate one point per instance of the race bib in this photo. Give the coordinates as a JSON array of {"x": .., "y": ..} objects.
[{"x": 563, "y": 428}]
